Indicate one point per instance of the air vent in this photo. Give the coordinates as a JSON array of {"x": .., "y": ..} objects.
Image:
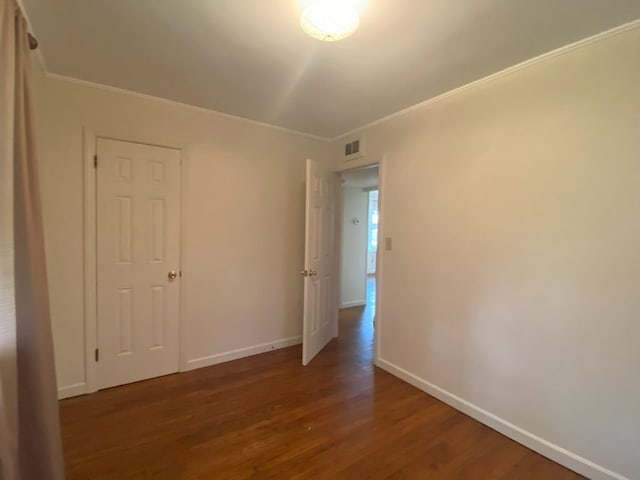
[{"x": 352, "y": 148}]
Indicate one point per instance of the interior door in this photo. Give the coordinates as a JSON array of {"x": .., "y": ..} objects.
[
  {"x": 321, "y": 261},
  {"x": 138, "y": 261}
]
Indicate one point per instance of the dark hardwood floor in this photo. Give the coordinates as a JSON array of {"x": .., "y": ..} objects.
[{"x": 268, "y": 417}]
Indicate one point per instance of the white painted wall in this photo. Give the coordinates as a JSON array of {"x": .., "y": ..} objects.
[
  {"x": 512, "y": 290},
  {"x": 354, "y": 247},
  {"x": 243, "y": 219}
]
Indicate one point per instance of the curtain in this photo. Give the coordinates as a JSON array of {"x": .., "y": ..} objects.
[
  {"x": 31, "y": 446},
  {"x": 8, "y": 363}
]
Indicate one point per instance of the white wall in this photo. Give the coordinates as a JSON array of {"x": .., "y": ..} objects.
[
  {"x": 513, "y": 287},
  {"x": 243, "y": 219},
  {"x": 354, "y": 247}
]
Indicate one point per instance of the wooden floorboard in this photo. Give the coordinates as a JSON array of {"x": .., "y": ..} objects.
[{"x": 267, "y": 417}]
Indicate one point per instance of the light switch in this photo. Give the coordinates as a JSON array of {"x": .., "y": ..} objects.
[{"x": 387, "y": 243}]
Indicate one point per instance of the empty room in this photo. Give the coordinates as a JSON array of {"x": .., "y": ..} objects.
[{"x": 319, "y": 239}]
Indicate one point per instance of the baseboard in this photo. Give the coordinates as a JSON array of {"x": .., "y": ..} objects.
[
  {"x": 241, "y": 353},
  {"x": 353, "y": 303},
  {"x": 72, "y": 390},
  {"x": 554, "y": 452}
]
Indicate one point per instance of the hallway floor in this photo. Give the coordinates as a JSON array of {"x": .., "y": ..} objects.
[{"x": 266, "y": 416}]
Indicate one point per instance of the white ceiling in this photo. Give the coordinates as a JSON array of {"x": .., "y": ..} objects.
[
  {"x": 250, "y": 58},
  {"x": 366, "y": 177}
]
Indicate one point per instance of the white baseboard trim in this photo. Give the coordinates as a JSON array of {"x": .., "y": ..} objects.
[
  {"x": 74, "y": 390},
  {"x": 240, "y": 353},
  {"x": 353, "y": 303},
  {"x": 554, "y": 452}
]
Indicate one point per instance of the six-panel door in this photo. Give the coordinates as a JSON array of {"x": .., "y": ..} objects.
[
  {"x": 320, "y": 284},
  {"x": 138, "y": 246}
]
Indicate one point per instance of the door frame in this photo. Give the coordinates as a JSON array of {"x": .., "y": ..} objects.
[
  {"x": 90, "y": 254},
  {"x": 381, "y": 162},
  {"x": 380, "y": 255}
]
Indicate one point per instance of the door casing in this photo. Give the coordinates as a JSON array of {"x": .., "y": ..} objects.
[{"x": 90, "y": 255}]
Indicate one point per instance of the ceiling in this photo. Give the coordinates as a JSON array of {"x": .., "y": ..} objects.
[
  {"x": 251, "y": 59},
  {"x": 366, "y": 177}
]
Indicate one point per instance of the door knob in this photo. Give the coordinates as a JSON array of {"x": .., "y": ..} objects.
[
  {"x": 304, "y": 273},
  {"x": 172, "y": 275},
  {"x": 312, "y": 273}
]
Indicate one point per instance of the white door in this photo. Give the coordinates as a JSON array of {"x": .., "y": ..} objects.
[
  {"x": 138, "y": 261},
  {"x": 321, "y": 262}
]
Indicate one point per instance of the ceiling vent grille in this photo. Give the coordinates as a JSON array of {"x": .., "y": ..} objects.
[{"x": 353, "y": 149}]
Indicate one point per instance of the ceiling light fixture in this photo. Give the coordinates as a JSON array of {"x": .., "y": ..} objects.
[{"x": 330, "y": 20}]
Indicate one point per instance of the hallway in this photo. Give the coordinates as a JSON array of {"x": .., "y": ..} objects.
[{"x": 266, "y": 416}]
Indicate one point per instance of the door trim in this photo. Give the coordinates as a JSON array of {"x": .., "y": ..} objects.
[
  {"x": 89, "y": 151},
  {"x": 90, "y": 261},
  {"x": 380, "y": 255}
]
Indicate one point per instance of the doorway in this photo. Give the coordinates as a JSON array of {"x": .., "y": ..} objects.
[
  {"x": 359, "y": 245},
  {"x": 337, "y": 234}
]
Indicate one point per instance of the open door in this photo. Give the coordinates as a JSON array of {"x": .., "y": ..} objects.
[{"x": 320, "y": 322}]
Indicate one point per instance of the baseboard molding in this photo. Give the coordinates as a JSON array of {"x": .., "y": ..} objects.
[
  {"x": 353, "y": 303},
  {"x": 241, "y": 353},
  {"x": 554, "y": 452},
  {"x": 74, "y": 390}
]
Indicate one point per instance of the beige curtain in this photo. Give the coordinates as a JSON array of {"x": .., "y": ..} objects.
[
  {"x": 29, "y": 421},
  {"x": 8, "y": 364}
]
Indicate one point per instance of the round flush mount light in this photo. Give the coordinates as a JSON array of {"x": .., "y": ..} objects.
[{"x": 330, "y": 20}]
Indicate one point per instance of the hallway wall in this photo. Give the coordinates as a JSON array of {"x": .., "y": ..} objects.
[{"x": 354, "y": 247}]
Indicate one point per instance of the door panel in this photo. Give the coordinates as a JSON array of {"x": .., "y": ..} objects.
[
  {"x": 138, "y": 243},
  {"x": 320, "y": 286}
]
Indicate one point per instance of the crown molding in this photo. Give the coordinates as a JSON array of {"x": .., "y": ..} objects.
[
  {"x": 507, "y": 71},
  {"x": 176, "y": 103},
  {"x": 456, "y": 91}
]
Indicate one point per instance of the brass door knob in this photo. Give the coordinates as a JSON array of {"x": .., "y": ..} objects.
[
  {"x": 172, "y": 275},
  {"x": 304, "y": 273},
  {"x": 312, "y": 273}
]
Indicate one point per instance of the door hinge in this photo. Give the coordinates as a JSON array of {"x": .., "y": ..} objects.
[
  {"x": 95, "y": 161},
  {"x": 97, "y": 354}
]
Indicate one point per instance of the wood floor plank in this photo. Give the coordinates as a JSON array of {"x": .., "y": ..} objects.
[{"x": 267, "y": 417}]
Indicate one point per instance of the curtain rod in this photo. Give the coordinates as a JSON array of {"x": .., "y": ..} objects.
[{"x": 33, "y": 42}]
